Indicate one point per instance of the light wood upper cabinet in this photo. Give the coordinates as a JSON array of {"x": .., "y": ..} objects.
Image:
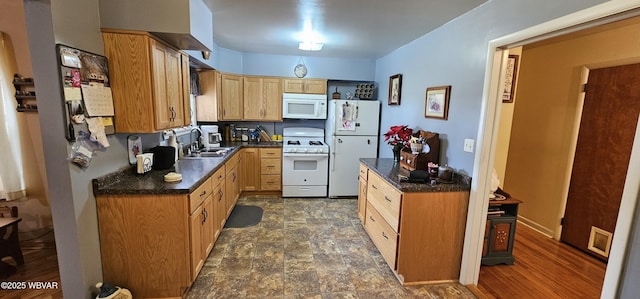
[
  {"x": 262, "y": 99},
  {"x": 186, "y": 88},
  {"x": 314, "y": 86},
  {"x": 207, "y": 102},
  {"x": 232, "y": 97},
  {"x": 147, "y": 82}
]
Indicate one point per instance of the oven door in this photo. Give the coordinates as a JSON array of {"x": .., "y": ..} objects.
[{"x": 305, "y": 169}]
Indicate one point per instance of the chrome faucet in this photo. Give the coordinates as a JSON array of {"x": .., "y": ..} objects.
[{"x": 194, "y": 146}]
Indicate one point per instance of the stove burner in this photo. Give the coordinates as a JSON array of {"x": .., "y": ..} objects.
[
  {"x": 293, "y": 142},
  {"x": 315, "y": 142}
]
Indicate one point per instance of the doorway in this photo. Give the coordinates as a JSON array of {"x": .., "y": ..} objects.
[{"x": 488, "y": 131}]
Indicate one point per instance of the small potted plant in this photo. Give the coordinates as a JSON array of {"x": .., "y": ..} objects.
[{"x": 398, "y": 137}]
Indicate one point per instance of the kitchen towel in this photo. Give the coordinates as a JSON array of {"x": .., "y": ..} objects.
[{"x": 349, "y": 114}]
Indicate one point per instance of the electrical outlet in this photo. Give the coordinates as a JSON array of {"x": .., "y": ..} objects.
[{"x": 468, "y": 145}]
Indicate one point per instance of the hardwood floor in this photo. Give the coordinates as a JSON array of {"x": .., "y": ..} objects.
[
  {"x": 544, "y": 268},
  {"x": 40, "y": 265}
]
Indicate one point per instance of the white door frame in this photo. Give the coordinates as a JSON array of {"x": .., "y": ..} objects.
[{"x": 487, "y": 136}]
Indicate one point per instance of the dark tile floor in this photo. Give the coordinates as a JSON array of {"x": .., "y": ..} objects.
[{"x": 304, "y": 248}]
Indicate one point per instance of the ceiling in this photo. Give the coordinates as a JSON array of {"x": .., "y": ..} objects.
[{"x": 349, "y": 28}]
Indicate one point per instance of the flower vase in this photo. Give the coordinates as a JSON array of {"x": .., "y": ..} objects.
[{"x": 396, "y": 152}]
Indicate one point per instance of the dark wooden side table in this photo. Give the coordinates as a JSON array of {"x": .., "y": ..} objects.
[
  {"x": 500, "y": 232},
  {"x": 9, "y": 244}
]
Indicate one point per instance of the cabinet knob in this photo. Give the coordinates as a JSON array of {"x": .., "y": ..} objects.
[{"x": 371, "y": 218}]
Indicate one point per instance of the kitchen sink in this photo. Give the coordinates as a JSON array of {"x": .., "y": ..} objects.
[{"x": 216, "y": 152}]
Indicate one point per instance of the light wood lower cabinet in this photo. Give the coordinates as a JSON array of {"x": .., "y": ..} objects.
[
  {"x": 270, "y": 169},
  {"x": 362, "y": 193},
  {"x": 232, "y": 183},
  {"x": 419, "y": 234},
  {"x": 251, "y": 171}
]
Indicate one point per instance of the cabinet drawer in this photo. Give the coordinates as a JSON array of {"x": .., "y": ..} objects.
[
  {"x": 270, "y": 153},
  {"x": 199, "y": 195},
  {"x": 382, "y": 235},
  {"x": 385, "y": 199},
  {"x": 218, "y": 177},
  {"x": 270, "y": 182},
  {"x": 270, "y": 166},
  {"x": 363, "y": 171}
]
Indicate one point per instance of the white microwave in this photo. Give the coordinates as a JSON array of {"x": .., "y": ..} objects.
[{"x": 304, "y": 106}]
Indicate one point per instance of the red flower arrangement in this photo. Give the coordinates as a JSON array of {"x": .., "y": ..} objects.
[{"x": 398, "y": 135}]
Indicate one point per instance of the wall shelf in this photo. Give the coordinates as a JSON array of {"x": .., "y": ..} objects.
[{"x": 25, "y": 94}]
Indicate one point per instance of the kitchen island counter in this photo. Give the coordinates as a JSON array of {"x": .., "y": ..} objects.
[
  {"x": 390, "y": 171},
  {"x": 194, "y": 173}
]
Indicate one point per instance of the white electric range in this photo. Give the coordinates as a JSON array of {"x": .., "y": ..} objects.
[{"x": 305, "y": 162}]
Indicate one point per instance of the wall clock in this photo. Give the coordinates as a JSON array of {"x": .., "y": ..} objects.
[{"x": 300, "y": 70}]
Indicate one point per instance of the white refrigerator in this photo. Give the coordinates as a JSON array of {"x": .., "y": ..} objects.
[{"x": 352, "y": 132}]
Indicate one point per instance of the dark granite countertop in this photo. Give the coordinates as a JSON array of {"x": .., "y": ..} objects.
[
  {"x": 389, "y": 170},
  {"x": 194, "y": 173}
]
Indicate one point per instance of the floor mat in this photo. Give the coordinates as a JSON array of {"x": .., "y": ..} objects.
[{"x": 244, "y": 216}]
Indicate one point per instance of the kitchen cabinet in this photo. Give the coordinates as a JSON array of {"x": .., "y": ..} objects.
[
  {"x": 232, "y": 184},
  {"x": 262, "y": 98},
  {"x": 270, "y": 169},
  {"x": 232, "y": 97},
  {"x": 186, "y": 88},
  {"x": 500, "y": 231},
  {"x": 207, "y": 102},
  {"x": 218, "y": 211},
  {"x": 149, "y": 82},
  {"x": 314, "y": 86},
  {"x": 419, "y": 234},
  {"x": 362, "y": 193},
  {"x": 146, "y": 238},
  {"x": 250, "y": 169}
]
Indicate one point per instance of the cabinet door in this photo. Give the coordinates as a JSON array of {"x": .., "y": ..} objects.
[
  {"x": 207, "y": 227},
  {"x": 253, "y": 98},
  {"x": 272, "y": 91},
  {"x": 232, "y": 188},
  {"x": 318, "y": 86},
  {"x": 219, "y": 210},
  {"x": 207, "y": 102},
  {"x": 293, "y": 85},
  {"x": 195, "y": 223},
  {"x": 251, "y": 169},
  {"x": 501, "y": 236},
  {"x": 186, "y": 89},
  {"x": 167, "y": 86},
  {"x": 231, "y": 93},
  {"x": 362, "y": 198}
]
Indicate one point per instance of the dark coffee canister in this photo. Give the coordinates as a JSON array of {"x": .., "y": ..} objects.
[{"x": 163, "y": 157}]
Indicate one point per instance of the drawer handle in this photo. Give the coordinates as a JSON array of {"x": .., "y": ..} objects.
[
  {"x": 374, "y": 186},
  {"x": 271, "y": 166},
  {"x": 371, "y": 218},
  {"x": 387, "y": 199},
  {"x": 203, "y": 193},
  {"x": 385, "y": 236}
]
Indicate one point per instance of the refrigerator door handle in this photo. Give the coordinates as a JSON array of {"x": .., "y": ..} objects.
[
  {"x": 333, "y": 153},
  {"x": 368, "y": 141}
]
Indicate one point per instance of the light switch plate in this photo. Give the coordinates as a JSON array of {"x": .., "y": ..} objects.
[{"x": 468, "y": 145}]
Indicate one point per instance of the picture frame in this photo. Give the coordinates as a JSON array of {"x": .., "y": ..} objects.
[
  {"x": 395, "y": 89},
  {"x": 436, "y": 103},
  {"x": 511, "y": 72}
]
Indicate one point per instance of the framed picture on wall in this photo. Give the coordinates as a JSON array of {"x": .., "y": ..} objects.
[
  {"x": 437, "y": 102},
  {"x": 395, "y": 88},
  {"x": 511, "y": 72}
]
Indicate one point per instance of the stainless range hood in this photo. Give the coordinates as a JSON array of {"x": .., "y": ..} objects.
[{"x": 185, "y": 24}]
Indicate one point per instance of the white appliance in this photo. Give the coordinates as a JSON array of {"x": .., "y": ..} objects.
[
  {"x": 304, "y": 106},
  {"x": 210, "y": 136},
  {"x": 305, "y": 162},
  {"x": 352, "y": 133}
]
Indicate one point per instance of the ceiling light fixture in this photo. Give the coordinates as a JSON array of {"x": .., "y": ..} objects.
[
  {"x": 310, "y": 46},
  {"x": 311, "y": 40}
]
